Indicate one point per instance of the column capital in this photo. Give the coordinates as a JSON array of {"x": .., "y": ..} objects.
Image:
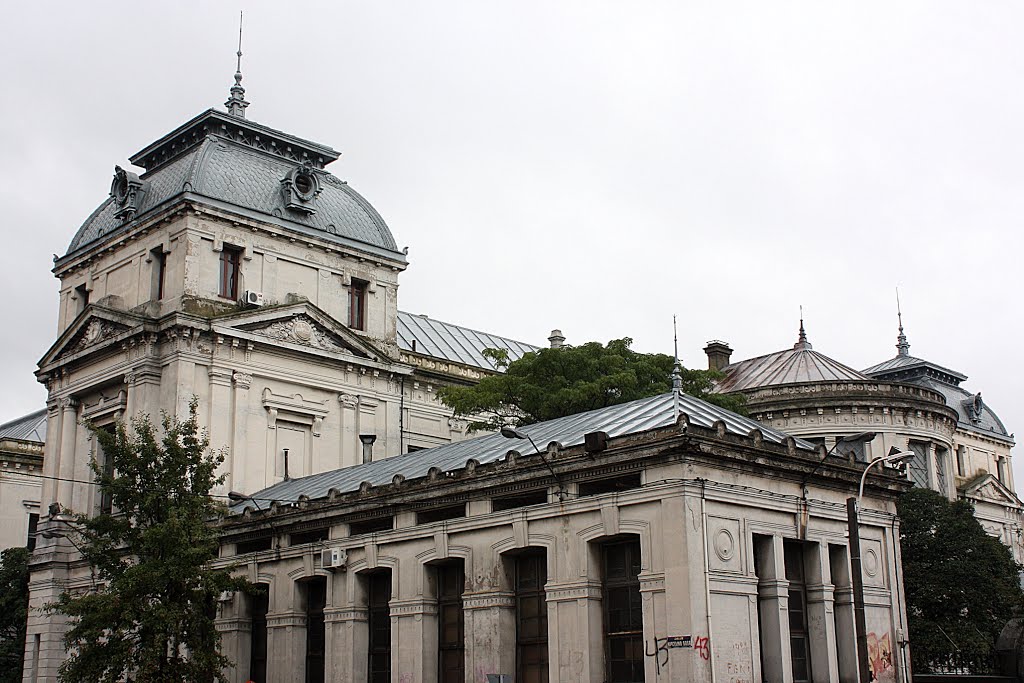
[{"x": 488, "y": 599}]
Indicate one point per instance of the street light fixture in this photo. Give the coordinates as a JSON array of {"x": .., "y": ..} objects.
[
  {"x": 894, "y": 456},
  {"x": 510, "y": 432}
]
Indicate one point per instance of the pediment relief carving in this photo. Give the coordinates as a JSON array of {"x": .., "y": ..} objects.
[
  {"x": 304, "y": 331},
  {"x": 95, "y": 332},
  {"x": 989, "y": 489}
]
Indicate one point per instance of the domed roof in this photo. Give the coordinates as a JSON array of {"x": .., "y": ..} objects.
[
  {"x": 792, "y": 366},
  {"x": 973, "y": 413},
  {"x": 227, "y": 161}
]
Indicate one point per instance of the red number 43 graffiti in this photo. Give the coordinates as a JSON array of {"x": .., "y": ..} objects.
[{"x": 702, "y": 644}]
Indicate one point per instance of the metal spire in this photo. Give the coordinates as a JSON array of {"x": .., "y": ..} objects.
[
  {"x": 677, "y": 373},
  {"x": 801, "y": 341},
  {"x": 236, "y": 103},
  {"x": 902, "y": 345}
]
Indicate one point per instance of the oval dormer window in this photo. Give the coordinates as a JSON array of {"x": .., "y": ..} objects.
[{"x": 304, "y": 184}]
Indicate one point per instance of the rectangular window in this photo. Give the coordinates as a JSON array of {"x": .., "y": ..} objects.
[
  {"x": 1001, "y": 469},
  {"x": 357, "y": 304},
  {"x": 309, "y": 536},
  {"x": 369, "y": 526},
  {"x": 33, "y": 524},
  {"x": 316, "y": 636},
  {"x": 82, "y": 298},
  {"x": 623, "y": 616},
  {"x": 918, "y": 465},
  {"x": 531, "y": 573},
  {"x": 107, "y": 466},
  {"x": 379, "y": 623},
  {"x": 520, "y": 500},
  {"x": 253, "y": 545},
  {"x": 230, "y": 271},
  {"x": 961, "y": 460},
  {"x": 258, "y": 636},
  {"x": 451, "y": 581},
  {"x": 159, "y": 259},
  {"x": 612, "y": 485},
  {"x": 441, "y": 514},
  {"x": 940, "y": 469},
  {"x": 799, "y": 641}
]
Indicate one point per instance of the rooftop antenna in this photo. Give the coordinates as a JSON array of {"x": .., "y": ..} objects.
[
  {"x": 236, "y": 103},
  {"x": 677, "y": 375},
  {"x": 902, "y": 345}
]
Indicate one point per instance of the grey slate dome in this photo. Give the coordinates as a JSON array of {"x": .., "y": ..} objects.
[{"x": 228, "y": 162}]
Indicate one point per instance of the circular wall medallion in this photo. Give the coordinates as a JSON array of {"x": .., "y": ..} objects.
[
  {"x": 725, "y": 545},
  {"x": 303, "y": 331},
  {"x": 871, "y": 563}
]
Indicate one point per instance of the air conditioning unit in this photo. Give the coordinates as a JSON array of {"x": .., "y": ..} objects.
[
  {"x": 334, "y": 558},
  {"x": 251, "y": 298}
]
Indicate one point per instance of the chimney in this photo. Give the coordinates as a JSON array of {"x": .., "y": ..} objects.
[
  {"x": 367, "y": 440},
  {"x": 718, "y": 354},
  {"x": 556, "y": 339}
]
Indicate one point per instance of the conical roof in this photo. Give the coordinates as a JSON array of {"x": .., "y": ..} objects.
[{"x": 797, "y": 365}]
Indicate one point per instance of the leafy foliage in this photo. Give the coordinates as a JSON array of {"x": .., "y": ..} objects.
[
  {"x": 550, "y": 383},
  {"x": 151, "y": 615},
  {"x": 13, "y": 612},
  {"x": 962, "y": 584}
]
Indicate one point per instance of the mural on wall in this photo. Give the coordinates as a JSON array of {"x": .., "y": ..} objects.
[{"x": 880, "y": 659}]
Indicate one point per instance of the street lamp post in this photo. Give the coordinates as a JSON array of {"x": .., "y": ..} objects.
[
  {"x": 895, "y": 456},
  {"x": 510, "y": 432}
]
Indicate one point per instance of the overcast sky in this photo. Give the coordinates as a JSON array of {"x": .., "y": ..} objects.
[{"x": 595, "y": 167}]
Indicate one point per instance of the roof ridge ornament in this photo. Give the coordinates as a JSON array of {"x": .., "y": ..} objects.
[
  {"x": 801, "y": 341},
  {"x": 236, "y": 103},
  {"x": 902, "y": 345}
]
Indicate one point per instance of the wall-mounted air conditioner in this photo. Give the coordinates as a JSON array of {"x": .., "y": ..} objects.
[
  {"x": 251, "y": 298},
  {"x": 334, "y": 558}
]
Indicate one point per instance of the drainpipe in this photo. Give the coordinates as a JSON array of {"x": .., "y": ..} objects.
[{"x": 707, "y": 576}]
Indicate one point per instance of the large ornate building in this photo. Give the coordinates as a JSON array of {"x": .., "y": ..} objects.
[
  {"x": 962, "y": 448},
  {"x": 664, "y": 539}
]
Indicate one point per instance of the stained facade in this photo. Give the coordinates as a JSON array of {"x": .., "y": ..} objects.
[{"x": 660, "y": 540}]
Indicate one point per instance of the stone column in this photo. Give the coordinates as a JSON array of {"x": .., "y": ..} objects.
[
  {"x": 347, "y": 643},
  {"x": 219, "y": 419},
  {"x": 286, "y": 646},
  {"x": 51, "y": 462},
  {"x": 414, "y": 638},
  {"x": 68, "y": 454},
  {"x": 238, "y": 457},
  {"x": 821, "y": 623},
  {"x": 575, "y": 623},
  {"x": 235, "y": 628},
  {"x": 773, "y": 597},
  {"x": 490, "y": 633},
  {"x": 286, "y": 633}
]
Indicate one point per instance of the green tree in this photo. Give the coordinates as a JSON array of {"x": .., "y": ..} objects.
[
  {"x": 13, "y": 612},
  {"x": 962, "y": 584},
  {"x": 550, "y": 383},
  {"x": 150, "y": 617}
]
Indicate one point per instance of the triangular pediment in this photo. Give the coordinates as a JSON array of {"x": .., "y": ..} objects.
[
  {"x": 301, "y": 325},
  {"x": 95, "y": 329},
  {"x": 987, "y": 488}
]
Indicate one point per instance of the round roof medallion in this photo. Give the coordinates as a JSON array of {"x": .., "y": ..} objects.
[
  {"x": 303, "y": 330},
  {"x": 119, "y": 186}
]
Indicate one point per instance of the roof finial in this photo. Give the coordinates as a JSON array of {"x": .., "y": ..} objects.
[
  {"x": 902, "y": 345},
  {"x": 236, "y": 103},
  {"x": 801, "y": 341},
  {"x": 677, "y": 373}
]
